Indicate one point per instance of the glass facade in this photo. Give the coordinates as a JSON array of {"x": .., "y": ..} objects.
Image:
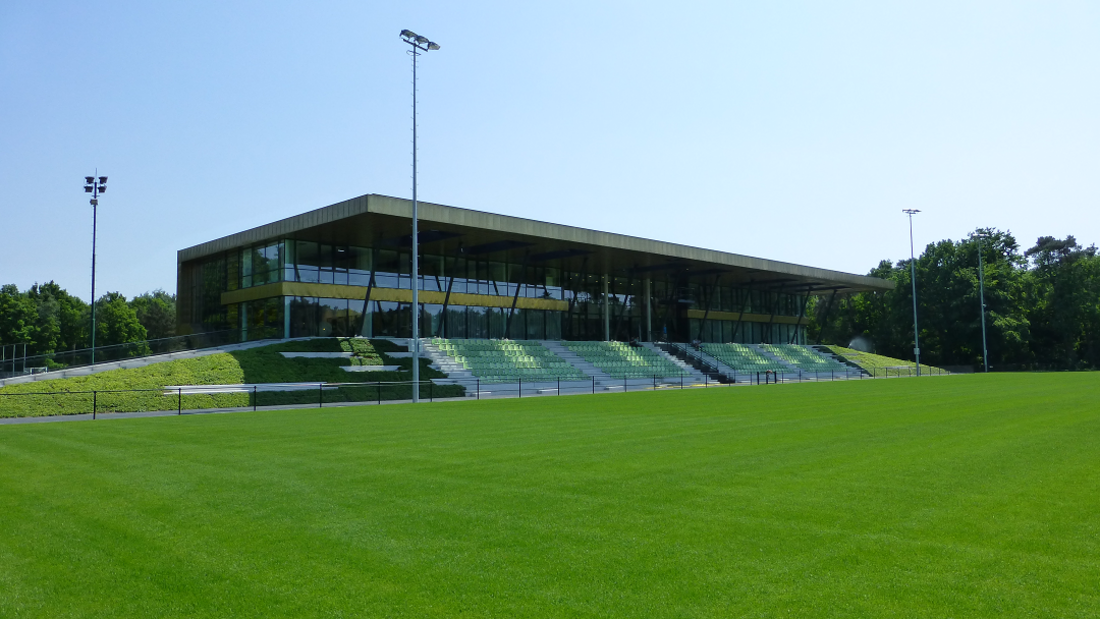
[{"x": 678, "y": 301}]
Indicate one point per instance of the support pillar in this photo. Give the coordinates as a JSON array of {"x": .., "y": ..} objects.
[
  {"x": 648, "y": 310},
  {"x": 801, "y": 313},
  {"x": 825, "y": 320},
  {"x": 606, "y": 311}
]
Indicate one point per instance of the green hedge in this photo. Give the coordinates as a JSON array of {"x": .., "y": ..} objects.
[
  {"x": 880, "y": 364},
  {"x": 256, "y": 365}
]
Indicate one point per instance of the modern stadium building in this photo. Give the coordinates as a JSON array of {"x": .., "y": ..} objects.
[{"x": 344, "y": 270}]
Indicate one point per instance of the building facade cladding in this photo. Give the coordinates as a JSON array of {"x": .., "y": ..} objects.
[{"x": 297, "y": 284}]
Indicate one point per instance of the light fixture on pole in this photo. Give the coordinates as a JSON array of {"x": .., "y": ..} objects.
[
  {"x": 94, "y": 186},
  {"x": 981, "y": 289},
  {"x": 419, "y": 44},
  {"x": 913, "y": 277}
]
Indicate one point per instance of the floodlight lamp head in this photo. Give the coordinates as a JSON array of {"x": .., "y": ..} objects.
[
  {"x": 102, "y": 180},
  {"x": 422, "y": 40},
  {"x": 433, "y": 46},
  {"x": 102, "y": 189},
  {"x": 93, "y": 202},
  {"x": 89, "y": 179},
  {"x": 910, "y": 211},
  {"x": 87, "y": 189},
  {"x": 408, "y": 34}
]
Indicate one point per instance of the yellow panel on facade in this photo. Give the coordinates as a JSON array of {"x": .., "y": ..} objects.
[{"x": 400, "y": 295}]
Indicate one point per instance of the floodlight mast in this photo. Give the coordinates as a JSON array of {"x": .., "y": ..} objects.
[
  {"x": 981, "y": 289},
  {"x": 913, "y": 278},
  {"x": 94, "y": 186},
  {"x": 419, "y": 44}
]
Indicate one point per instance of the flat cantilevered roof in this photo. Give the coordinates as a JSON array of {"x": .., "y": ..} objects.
[{"x": 373, "y": 220}]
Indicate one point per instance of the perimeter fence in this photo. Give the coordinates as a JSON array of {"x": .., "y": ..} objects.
[
  {"x": 13, "y": 364},
  {"x": 180, "y": 399}
]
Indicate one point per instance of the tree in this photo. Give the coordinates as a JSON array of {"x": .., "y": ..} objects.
[
  {"x": 1065, "y": 304},
  {"x": 17, "y": 317},
  {"x": 948, "y": 306},
  {"x": 156, "y": 311},
  {"x": 63, "y": 320},
  {"x": 116, "y": 321}
]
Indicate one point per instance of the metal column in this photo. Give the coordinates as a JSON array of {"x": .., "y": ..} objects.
[
  {"x": 606, "y": 311},
  {"x": 648, "y": 310}
]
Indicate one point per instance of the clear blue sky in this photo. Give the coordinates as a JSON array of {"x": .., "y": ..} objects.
[{"x": 795, "y": 131}]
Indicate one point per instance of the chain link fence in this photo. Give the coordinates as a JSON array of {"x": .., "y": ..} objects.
[{"x": 183, "y": 399}]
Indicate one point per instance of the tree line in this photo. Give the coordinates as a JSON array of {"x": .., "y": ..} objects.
[
  {"x": 1042, "y": 305},
  {"x": 48, "y": 319}
]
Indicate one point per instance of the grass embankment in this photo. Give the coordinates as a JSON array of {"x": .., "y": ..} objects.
[
  {"x": 971, "y": 496},
  {"x": 255, "y": 365},
  {"x": 879, "y": 364}
]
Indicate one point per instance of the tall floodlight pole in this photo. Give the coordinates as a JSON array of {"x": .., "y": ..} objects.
[
  {"x": 913, "y": 277},
  {"x": 419, "y": 44},
  {"x": 94, "y": 186},
  {"x": 981, "y": 288}
]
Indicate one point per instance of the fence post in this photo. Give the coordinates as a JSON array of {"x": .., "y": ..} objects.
[
  {"x": 479, "y": 387},
  {"x": 378, "y": 385},
  {"x": 431, "y": 391},
  {"x": 559, "y": 385},
  {"x": 681, "y": 379},
  {"x": 521, "y": 387},
  {"x": 320, "y": 395},
  {"x": 655, "y": 382},
  {"x": 255, "y": 394},
  {"x": 93, "y": 403},
  {"x": 179, "y": 402},
  {"x": 593, "y": 385}
]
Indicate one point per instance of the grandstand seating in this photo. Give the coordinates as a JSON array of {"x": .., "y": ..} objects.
[
  {"x": 805, "y": 359},
  {"x": 621, "y": 360},
  {"x": 506, "y": 361},
  {"x": 743, "y": 358}
]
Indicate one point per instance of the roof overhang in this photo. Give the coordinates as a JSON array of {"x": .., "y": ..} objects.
[{"x": 382, "y": 221}]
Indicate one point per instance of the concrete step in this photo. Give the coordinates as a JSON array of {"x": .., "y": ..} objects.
[
  {"x": 576, "y": 360},
  {"x": 783, "y": 364},
  {"x": 684, "y": 365}
]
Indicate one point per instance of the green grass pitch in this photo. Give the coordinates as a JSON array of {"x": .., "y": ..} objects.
[{"x": 972, "y": 496}]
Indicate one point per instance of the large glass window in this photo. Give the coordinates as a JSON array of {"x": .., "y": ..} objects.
[
  {"x": 389, "y": 265},
  {"x": 262, "y": 319},
  {"x": 536, "y": 324},
  {"x": 553, "y": 325},
  {"x": 456, "y": 322},
  {"x": 359, "y": 266},
  {"x": 477, "y": 322},
  {"x": 334, "y": 318},
  {"x": 392, "y": 320},
  {"x": 498, "y": 318},
  {"x": 261, "y": 264},
  {"x": 304, "y": 317}
]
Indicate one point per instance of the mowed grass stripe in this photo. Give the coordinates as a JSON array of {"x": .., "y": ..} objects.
[{"x": 954, "y": 496}]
